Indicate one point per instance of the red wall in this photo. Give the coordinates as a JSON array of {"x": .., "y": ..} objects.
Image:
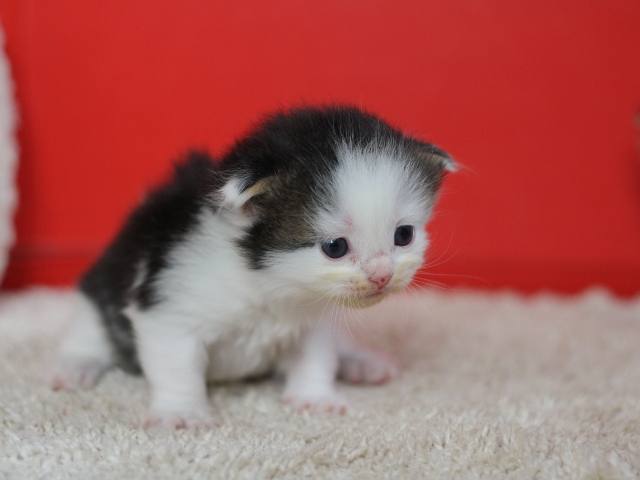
[{"x": 536, "y": 99}]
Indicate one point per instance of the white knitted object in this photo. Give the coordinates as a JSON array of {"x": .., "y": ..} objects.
[{"x": 8, "y": 158}]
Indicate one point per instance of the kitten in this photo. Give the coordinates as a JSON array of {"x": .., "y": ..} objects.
[{"x": 237, "y": 267}]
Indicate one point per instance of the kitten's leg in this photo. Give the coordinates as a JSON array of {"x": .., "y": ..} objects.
[
  {"x": 359, "y": 364},
  {"x": 310, "y": 383},
  {"x": 174, "y": 361},
  {"x": 85, "y": 352}
]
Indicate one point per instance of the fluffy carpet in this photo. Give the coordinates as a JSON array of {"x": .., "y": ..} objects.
[{"x": 493, "y": 386}]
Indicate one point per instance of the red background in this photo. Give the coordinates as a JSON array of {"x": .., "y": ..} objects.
[{"x": 537, "y": 100}]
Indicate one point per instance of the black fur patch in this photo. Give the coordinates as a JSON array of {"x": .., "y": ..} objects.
[
  {"x": 164, "y": 218},
  {"x": 296, "y": 152}
]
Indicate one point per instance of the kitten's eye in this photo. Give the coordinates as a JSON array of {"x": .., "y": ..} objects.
[
  {"x": 403, "y": 236},
  {"x": 335, "y": 248}
]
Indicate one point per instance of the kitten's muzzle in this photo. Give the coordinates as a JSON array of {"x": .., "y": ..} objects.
[
  {"x": 380, "y": 281},
  {"x": 379, "y": 271}
]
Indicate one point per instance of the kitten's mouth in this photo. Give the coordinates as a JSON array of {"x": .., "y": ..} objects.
[{"x": 364, "y": 301}]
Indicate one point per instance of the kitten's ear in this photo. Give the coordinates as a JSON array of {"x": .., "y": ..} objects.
[
  {"x": 430, "y": 153},
  {"x": 236, "y": 195}
]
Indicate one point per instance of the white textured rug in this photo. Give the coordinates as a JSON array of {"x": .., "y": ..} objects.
[{"x": 493, "y": 386}]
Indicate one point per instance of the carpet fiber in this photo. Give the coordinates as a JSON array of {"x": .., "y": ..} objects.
[{"x": 493, "y": 386}]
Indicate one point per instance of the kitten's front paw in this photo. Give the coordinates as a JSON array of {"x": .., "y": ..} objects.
[
  {"x": 367, "y": 366},
  {"x": 201, "y": 419},
  {"x": 331, "y": 402}
]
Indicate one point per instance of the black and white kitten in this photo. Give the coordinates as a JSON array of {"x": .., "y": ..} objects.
[{"x": 237, "y": 267}]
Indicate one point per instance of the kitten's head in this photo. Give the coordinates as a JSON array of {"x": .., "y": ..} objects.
[{"x": 332, "y": 202}]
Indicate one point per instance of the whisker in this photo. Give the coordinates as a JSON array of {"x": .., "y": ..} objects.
[
  {"x": 447, "y": 247},
  {"x": 425, "y": 282},
  {"x": 436, "y": 262},
  {"x": 347, "y": 323},
  {"x": 334, "y": 319},
  {"x": 322, "y": 317},
  {"x": 313, "y": 303},
  {"x": 368, "y": 330},
  {"x": 416, "y": 294},
  {"x": 457, "y": 275},
  {"x": 412, "y": 290}
]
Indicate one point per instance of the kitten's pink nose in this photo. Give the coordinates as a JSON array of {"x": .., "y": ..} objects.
[{"x": 380, "y": 280}]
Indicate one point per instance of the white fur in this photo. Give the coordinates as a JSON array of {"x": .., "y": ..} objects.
[
  {"x": 85, "y": 352},
  {"x": 225, "y": 321}
]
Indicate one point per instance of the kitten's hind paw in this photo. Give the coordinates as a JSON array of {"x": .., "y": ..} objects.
[{"x": 367, "y": 366}]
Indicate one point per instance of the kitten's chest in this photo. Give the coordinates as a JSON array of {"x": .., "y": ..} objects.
[
  {"x": 232, "y": 309},
  {"x": 254, "y": 341}
]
